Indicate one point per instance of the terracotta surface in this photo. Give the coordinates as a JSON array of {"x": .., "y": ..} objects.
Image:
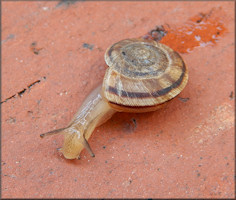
[{"x": 52, "y": 57}]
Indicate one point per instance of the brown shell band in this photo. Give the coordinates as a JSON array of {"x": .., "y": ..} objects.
[{"x": 158, "y": 93}]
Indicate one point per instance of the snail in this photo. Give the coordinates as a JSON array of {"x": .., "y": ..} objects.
[{"x": 142, "y": 76}]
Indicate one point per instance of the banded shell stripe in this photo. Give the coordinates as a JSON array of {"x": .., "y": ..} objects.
[{"x": 158, "y": 93}]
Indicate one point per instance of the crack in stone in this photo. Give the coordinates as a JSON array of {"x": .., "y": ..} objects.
[
  {"x": 20, "y": 93},
  {"x": 13, "y": 96},
  {"x": 32, "y": 84}
]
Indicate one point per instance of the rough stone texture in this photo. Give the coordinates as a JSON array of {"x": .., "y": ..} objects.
[{"x": 53, "y": 56}]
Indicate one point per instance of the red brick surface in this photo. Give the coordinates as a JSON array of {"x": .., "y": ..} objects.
[{"x": 53, "y": 56}]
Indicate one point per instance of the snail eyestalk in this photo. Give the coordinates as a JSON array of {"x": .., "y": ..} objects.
[
  {"x": 55, "y": 132},
  {"x": 88, "y": 148}
]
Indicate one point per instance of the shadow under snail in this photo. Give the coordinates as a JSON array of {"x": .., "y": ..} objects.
[{"x": 142, "y": 75}]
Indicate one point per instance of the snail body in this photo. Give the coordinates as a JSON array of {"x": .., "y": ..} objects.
[{"x": 142, "y": 76}]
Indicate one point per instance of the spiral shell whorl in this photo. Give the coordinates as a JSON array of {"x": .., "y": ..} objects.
[{"x": 134, "y": 58}]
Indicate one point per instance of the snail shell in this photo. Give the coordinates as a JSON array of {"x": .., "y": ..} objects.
[{"x": 142, "y": 75}]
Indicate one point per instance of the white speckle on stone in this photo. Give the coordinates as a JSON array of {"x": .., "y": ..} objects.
[
  {"x": 197, "y": 37},
  {"x": 189, "y": 50},
  {"x": 189, "y": 32},
  {"x": 45, "y": 8}
]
